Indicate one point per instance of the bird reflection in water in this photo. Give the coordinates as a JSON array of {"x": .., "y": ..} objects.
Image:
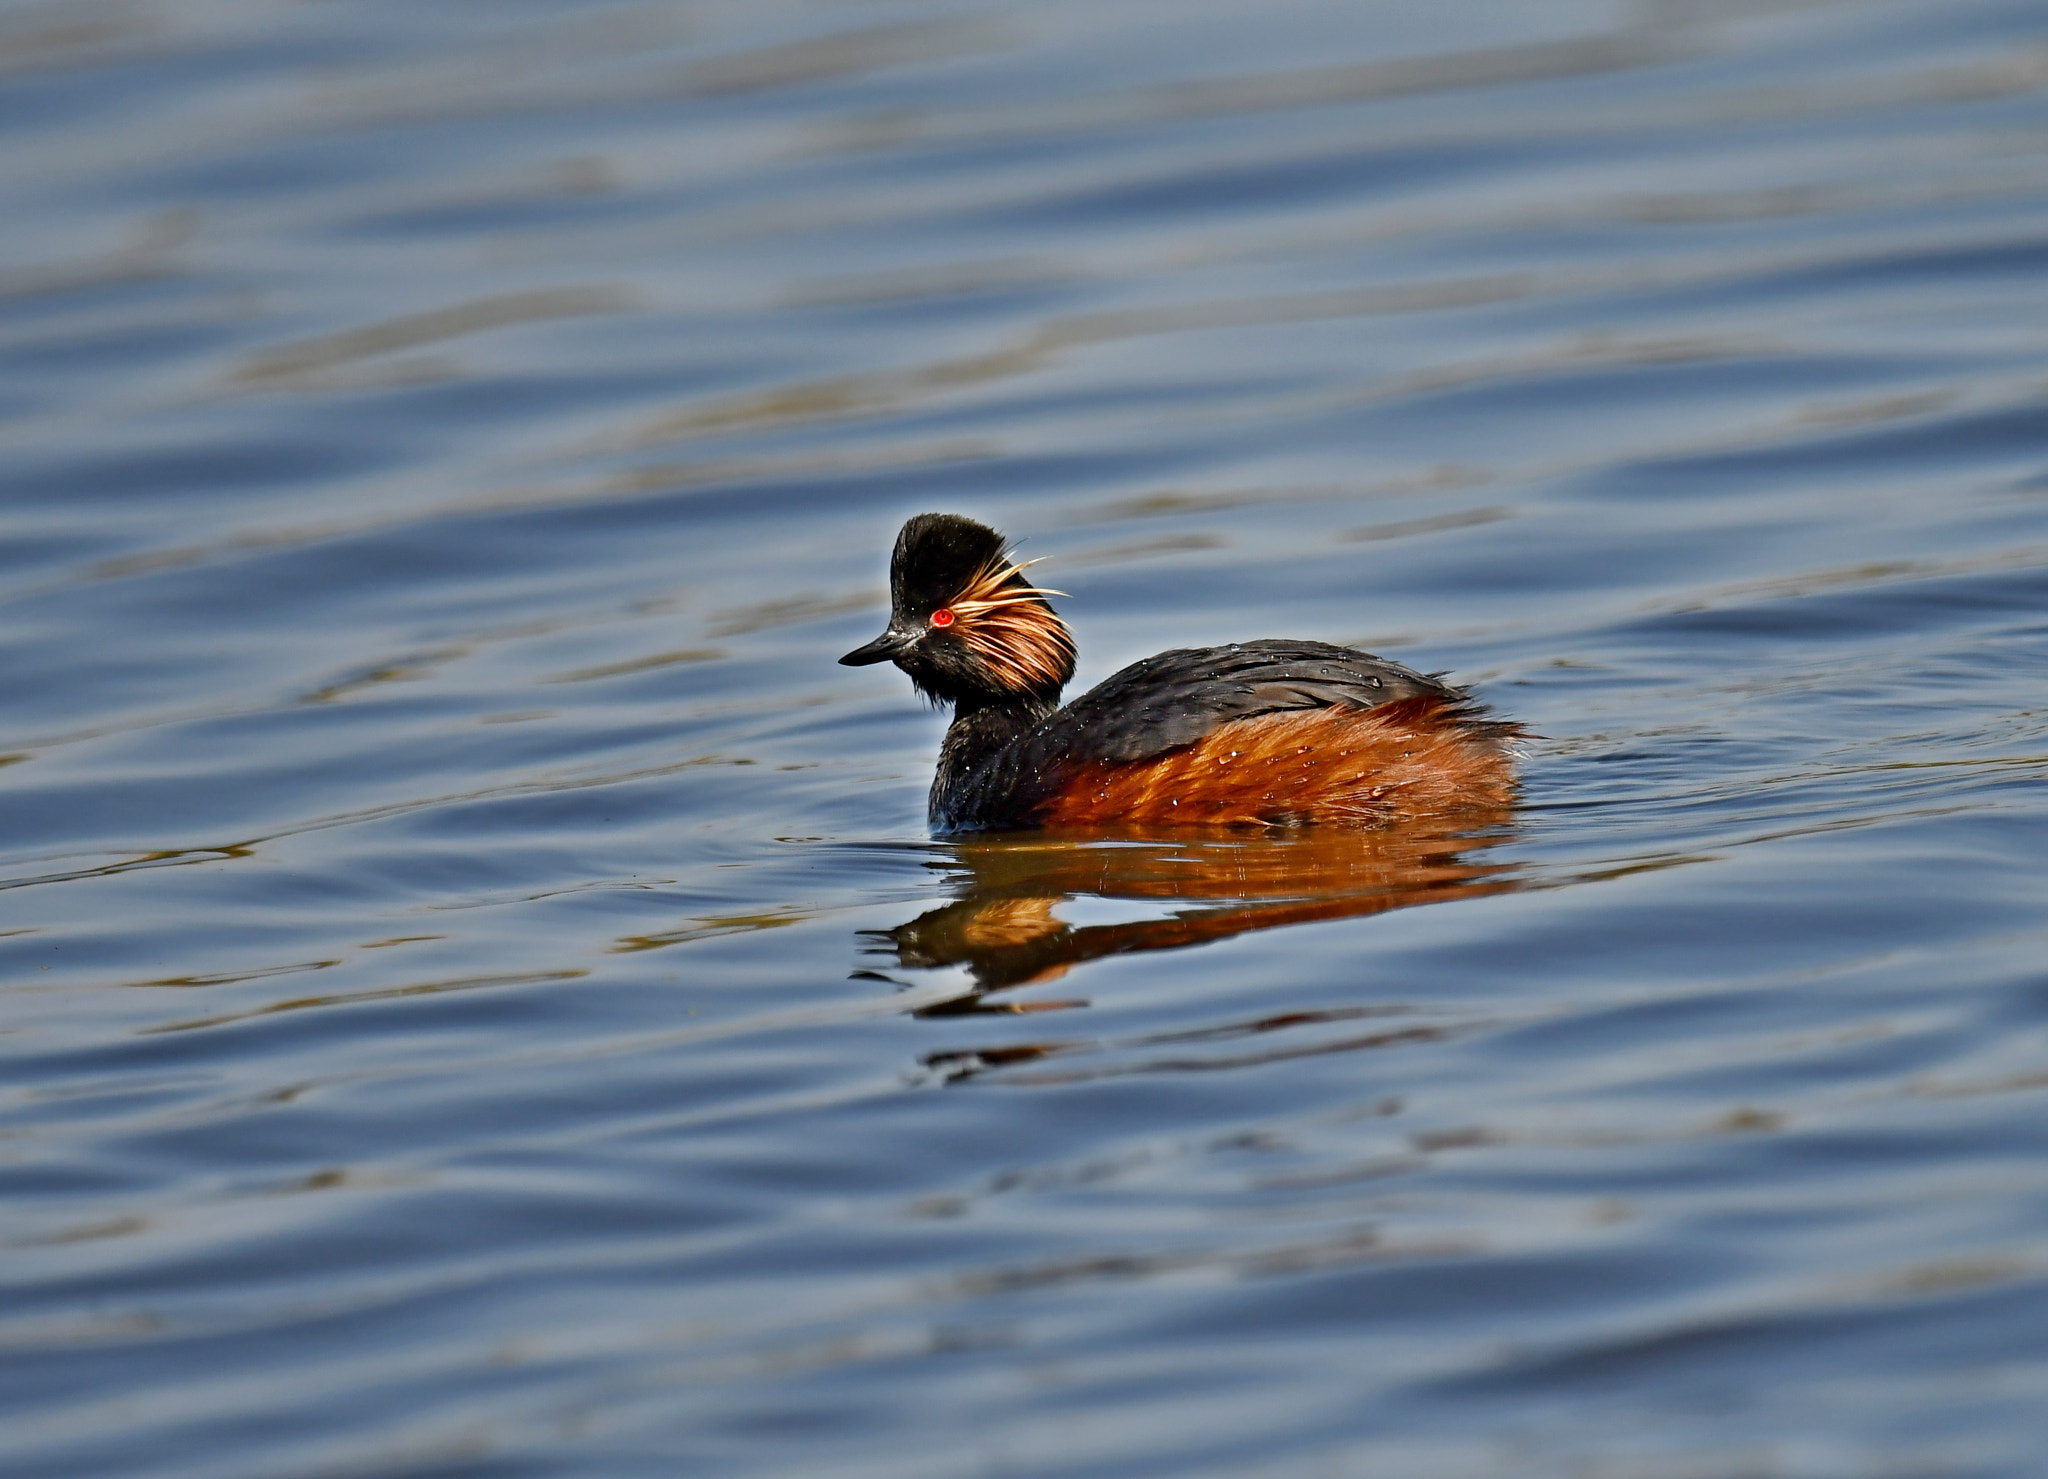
[{"x": 1005, "y": 928}]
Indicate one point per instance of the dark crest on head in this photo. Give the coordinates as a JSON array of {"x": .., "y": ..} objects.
[{"x": 936, "y": 556}]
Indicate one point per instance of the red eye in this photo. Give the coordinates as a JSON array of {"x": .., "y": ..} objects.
[{"x": 942, "y": 617}]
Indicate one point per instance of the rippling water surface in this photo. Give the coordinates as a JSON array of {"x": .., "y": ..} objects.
[{"x": 479, "y": 998}]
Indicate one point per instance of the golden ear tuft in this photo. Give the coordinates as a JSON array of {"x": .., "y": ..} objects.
[{"x": 1019, "y": 639}]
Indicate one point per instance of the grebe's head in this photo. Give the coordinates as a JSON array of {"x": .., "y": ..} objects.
[{"x": 963, "y": 620}]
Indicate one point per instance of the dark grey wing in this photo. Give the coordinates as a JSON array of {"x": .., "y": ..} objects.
[{"x": 1178, "y": 697}]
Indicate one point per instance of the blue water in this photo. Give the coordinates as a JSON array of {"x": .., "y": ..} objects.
[{"x": 480, "y": 1000}]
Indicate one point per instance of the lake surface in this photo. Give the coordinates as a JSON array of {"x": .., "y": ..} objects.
[{"x": 479, "y": 996}]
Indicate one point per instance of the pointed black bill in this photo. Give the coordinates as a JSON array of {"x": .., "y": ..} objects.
[{"x": 891, "y": 643}]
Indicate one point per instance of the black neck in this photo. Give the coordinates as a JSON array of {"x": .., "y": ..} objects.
[{"x": 981, "y": 729}]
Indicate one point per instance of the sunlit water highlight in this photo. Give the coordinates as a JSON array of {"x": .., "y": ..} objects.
[{"x": 479, "y": 997}]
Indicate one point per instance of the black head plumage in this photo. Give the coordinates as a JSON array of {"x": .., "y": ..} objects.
[{"x": 964, "y": 623}]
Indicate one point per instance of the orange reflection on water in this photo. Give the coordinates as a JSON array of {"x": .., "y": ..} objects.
[{"x": 1005, "y": 925}]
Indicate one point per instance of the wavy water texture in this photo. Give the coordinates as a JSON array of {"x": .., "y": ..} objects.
[{"x": 479, "y": 998}]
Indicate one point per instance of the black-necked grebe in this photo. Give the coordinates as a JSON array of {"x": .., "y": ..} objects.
[{"x": 1269, "y": 733}]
